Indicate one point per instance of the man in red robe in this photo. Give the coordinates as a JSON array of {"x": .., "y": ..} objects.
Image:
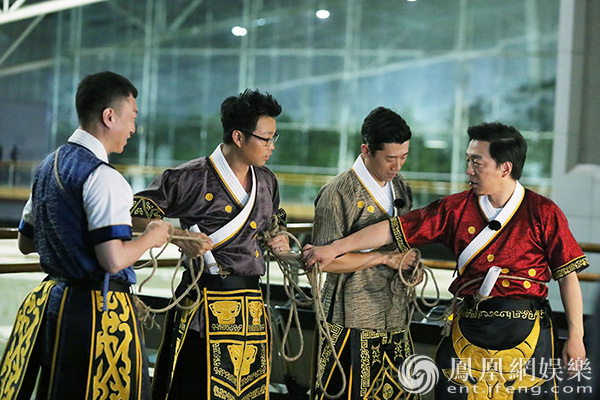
[{"x": 501, "y": 341}]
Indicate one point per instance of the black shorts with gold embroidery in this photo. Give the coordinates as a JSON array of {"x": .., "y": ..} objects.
[
  {"x": 83, "y": 351},
  {"x": 502, "y": 348},
  {"x": 235, "y": 336},
  {"x": 370, "y": 361}
]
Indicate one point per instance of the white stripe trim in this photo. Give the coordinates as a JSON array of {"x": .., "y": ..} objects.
[
  {"x": 226, "y": 232},
  {"x": 383, "y": 196},
  {"x": 228, "y": 176},
  {"x": 487, "y": 234}
]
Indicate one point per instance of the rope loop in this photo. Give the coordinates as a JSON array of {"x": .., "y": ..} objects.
[{"x": 146, "y": 313}]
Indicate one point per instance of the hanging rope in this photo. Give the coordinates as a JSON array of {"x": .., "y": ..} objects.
[
  {"x": 419, "y": 274},
  {"x": 292, "y": 267},
  {"x": 145, "y": 312}
]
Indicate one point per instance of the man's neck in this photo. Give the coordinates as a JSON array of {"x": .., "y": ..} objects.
[
  {"x": 99, "y": 133},
  {"x": 239, "y": 167},
  {"x": 379, "y": 182},
  {"x": 506, "y": 190}
]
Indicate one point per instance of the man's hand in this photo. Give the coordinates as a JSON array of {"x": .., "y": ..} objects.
[
  {"x": 158, "y": 232},
  {"x": 573, "y": 355},
  {"x": 280, "y": 243},
  {"x": 406, "y": 263},
  {"x": 323, "y": 255},
  {"x": 194, "y": 248},
  {"x": 403, "y": 261}
]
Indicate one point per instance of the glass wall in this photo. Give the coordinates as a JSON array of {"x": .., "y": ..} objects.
[{"x": 443, "y": 65}]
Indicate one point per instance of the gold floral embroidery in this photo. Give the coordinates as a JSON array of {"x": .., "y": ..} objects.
[
  {"x": 22, "y": 339},
  {"x": 111, "y": 365}
]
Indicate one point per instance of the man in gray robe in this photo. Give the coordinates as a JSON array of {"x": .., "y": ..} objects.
[{"x": 364, "y": 302}]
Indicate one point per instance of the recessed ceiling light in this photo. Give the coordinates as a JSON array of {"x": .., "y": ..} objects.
[
  {"x": 323, "y": 14},
  {"x": 239, "y": 31}
]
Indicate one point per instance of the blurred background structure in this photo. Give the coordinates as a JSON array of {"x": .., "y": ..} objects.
[{"x": 442, "y": 64}]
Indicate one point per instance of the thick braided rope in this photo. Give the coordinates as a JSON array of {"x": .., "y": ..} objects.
[
  {"x": 410, "y": 283},
  {"x": 292, "y": 267},
  {"x": 145, "y": 313}
]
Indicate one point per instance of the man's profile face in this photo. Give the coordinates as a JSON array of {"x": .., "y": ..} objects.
[
  {"x": 485, "y": 177},
  {"x": 255, "y": 150},
  {"x": 385, "y": 164},
  {"x": 124, "y": 123}
]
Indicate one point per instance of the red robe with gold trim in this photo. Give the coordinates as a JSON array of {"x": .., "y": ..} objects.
[{"x": 535, "y": 243}]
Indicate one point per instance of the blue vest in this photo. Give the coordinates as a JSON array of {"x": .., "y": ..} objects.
[{"x": 61, "y": 233}]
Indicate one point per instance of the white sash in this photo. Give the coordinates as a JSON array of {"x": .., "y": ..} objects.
[
  {"x": 383, "y": 196},
  {"x": 227, "y": 231},
  {"x": 487, "y": 235}
]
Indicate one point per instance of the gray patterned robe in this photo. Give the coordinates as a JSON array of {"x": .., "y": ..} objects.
[{"x": 361, "y": 299}]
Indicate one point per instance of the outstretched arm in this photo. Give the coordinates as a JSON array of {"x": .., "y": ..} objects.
[
  {"x": 351, "y": 262},
  {"x": 573, "y": 354},
  {"x": 373, "y": 236},
  {"x": 191, "y": 248},
  {"x": 115, "y": 255}
]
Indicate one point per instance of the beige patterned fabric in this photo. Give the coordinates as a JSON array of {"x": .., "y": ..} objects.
[{"x": 361, "y": 299}]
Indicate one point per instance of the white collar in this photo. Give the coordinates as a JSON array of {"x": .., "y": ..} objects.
[
  {"x": 90, "y": 142},
  {"x": 383, "y": 196},
  {"x": 487, "y": 234},
  {"x": 507, "y": 210},
  {"x": 228, "y": 176}
]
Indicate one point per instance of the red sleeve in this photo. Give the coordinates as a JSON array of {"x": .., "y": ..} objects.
[
  {"x": 563, "y": 253},
  {"x": 435, "y": 223}
]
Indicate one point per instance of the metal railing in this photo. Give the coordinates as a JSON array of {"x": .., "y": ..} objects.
[{"x": 296, "y": 229}]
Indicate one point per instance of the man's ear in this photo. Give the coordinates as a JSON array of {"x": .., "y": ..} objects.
[
  {"x": 364, "y": 149},
  {"x": 506, "y": 167},
  {"x": 108, "y": 117},
  {"x": 238, "y": 137}
]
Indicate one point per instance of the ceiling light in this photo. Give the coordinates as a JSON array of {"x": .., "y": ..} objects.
[
  {"x": 323, "y": 14},
  {"x": 239, "y": 31}
]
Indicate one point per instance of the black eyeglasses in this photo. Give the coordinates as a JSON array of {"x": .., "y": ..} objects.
[{"x": 268, "y": 141}]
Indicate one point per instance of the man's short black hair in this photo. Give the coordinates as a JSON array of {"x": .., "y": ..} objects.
[
  {"x": 506, "y": 144},
  {"x": 382, "y": 126},
  {"x": 99, "y": 91},
  {"x": 242, "y": 112}
]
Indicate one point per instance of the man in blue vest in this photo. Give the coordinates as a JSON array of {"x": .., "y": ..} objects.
[{"x": 79, "y": 324}]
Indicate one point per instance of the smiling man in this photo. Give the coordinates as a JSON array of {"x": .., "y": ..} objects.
[
  {"x": 367, "y": 317},
  {"x": 497, "y": 223},
  {"x": 219, "y": 349},
  {"x": 77, "y": 219}
]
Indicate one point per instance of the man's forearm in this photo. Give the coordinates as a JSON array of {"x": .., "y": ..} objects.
[
  {"x": 351, "y": 262},
  {"x": 570, "y": 292},
  {"x": 371, "y": 237}
]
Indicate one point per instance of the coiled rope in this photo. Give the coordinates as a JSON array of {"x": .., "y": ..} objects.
[
  {"x": 291, "y": 264},
  {"x": 145, "y": 312},
  {"x": 411, "y": 281},
  {"x": 292, "y": 267}
]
